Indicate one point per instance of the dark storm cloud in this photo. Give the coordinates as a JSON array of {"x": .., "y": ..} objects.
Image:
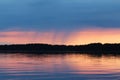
[{"x": 59, "y": 14}]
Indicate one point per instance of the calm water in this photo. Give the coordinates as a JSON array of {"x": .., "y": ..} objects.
[{"x": 59, "y": 67}]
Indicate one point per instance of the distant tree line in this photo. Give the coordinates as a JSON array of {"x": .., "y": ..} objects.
[{"x": 89, "y": 48}]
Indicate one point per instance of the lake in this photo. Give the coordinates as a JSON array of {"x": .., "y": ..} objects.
[{"x": 59, "y": 67}]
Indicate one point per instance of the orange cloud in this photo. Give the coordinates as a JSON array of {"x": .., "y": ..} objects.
[
  {"x": 94, "y": 35},
  {"x": 52, "y": 37},
  {"x": 18, "y": 37}
]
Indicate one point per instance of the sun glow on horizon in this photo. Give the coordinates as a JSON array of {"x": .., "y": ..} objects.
[{"x": 73, "y": 38}]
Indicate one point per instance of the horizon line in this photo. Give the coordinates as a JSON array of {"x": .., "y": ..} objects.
[{"x": 56, "y": 44}]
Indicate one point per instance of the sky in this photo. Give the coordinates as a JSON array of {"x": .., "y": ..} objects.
[{"x": 59, "y": 21}]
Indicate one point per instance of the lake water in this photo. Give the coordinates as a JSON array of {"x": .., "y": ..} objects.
[{"x": 59, "y": 67}]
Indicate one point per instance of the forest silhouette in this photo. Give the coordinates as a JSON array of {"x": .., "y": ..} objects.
[{"x": 48, "y": 48}]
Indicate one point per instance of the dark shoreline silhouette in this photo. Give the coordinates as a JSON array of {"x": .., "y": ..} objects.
[{"x": 92, "y": 48}]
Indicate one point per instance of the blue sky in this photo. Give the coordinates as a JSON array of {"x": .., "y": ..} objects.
[{"x": 59, "y": 14}]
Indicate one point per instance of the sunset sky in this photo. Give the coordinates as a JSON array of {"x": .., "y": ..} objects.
[{"x": 59, "y": 21}]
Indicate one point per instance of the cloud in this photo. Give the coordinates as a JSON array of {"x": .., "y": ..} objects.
[
  {"x": 78, "y": 37},
  {"x": 58, "y": 14},
  {"x": 94, "y": 36},
  {"x": 22, "y": 37}
]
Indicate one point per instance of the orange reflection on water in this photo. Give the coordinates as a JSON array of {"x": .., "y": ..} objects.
[
  {"x": 72, "y": 63},
  {"x": 24, "y": 62},
  {"x": 85, "y": 64}
]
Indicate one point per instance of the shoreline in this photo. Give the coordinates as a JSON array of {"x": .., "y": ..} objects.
[{"x": 93, "y": 48}]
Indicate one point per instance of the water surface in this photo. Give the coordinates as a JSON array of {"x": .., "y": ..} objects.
[{"x": 59, "y": 67}]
